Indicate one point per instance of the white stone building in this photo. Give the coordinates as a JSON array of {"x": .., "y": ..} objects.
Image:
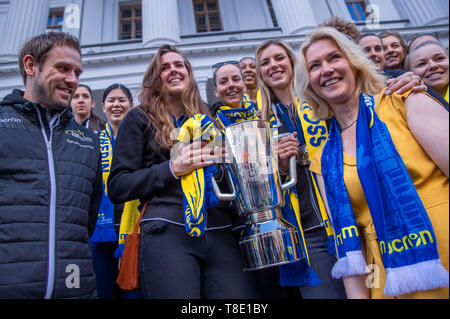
[{"x": 119, "y": 37}]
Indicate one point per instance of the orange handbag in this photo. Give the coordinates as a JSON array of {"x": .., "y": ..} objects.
[{"x": 128, "y": 269}]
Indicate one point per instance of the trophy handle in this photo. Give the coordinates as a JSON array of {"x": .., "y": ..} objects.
[
  {"x": 292, "y": 181},
  {"x": 224, "y": 196}
]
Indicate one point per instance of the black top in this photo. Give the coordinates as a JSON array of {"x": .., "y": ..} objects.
[
  {"x": 310, "y": 216},
  {"x": 50, "y": 192},
  {"x": 140, "y": 170}
]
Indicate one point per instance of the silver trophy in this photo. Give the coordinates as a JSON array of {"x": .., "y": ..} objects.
[{"x": 267, "y": 239}]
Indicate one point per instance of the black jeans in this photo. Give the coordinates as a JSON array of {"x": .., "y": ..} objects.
[
  {"x": 322, "y": 263},
  {"x": 174, "y": 265}
]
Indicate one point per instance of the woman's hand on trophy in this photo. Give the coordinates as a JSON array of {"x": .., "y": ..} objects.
[
  {"x": 190, "y": 157},
  {"x": 287, "y": 147}
]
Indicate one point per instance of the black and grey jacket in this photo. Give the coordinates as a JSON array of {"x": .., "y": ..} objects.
[{"x": 50, "y": 191}]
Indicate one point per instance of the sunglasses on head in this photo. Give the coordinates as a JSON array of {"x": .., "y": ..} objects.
[{"x": 218, "y": 65}]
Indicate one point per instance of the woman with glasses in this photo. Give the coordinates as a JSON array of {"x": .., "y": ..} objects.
[
  {"x": 275, "y": 65},
  {"x": 149, "y": 164},
  {"x": 229, "y": 87}
]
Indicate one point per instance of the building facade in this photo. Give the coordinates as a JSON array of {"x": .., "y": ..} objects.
[{"x": 119, "y": 37}]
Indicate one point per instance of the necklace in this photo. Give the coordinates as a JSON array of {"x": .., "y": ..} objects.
[{"x": 350, "y": 125}]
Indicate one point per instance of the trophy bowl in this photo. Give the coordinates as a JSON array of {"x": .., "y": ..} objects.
[{"x": 267, "y": 240}]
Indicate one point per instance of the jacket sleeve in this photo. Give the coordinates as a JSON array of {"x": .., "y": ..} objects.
[
  {"x": 138, "y": 169},
  {"x": 96, "y": 197}
]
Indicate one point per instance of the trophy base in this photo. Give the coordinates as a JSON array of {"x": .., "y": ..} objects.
[{"x": 270, "y": 243}]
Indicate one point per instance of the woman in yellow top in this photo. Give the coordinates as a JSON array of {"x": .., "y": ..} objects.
[
  {"x": 403, "y": 249},
  {"x": 429, "y": 60}
]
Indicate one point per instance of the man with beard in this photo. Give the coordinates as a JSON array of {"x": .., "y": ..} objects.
[{"x": 50, "y": 178}]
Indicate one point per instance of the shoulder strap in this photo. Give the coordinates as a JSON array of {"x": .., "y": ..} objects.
[{"x": 136, "y": 228}]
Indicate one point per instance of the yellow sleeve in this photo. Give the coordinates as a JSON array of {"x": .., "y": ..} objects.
[
  {"x": 315, "y": 165},
  {"x": 395, "y": 101},
  {"x": 258, "y": 99}
]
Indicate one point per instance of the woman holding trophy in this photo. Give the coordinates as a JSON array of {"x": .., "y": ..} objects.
[
  {"x": 275, "y": 65},
  {"x": 186, "y": 249}
]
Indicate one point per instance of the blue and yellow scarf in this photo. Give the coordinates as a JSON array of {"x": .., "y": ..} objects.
[
  {"x": 313, "y": 134},
  {"x": 104, "y": 229},
  {"x": 227, "y": 115},
  {"x": 405, "y": 234},
  {"x": 198, "y": 196}
]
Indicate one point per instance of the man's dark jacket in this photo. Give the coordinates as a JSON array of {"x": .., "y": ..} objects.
[{"x": 50, "y": 190}]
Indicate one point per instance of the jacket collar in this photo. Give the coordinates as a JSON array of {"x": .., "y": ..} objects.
[{"x": 28, "y": 109}]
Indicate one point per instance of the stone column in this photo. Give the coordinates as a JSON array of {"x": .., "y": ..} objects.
[
  {"x": 25, "y": 20},
  {"x": 294, "y": 16},
  {"x": 160, "y": 24},
  {"x": 424, "y": 12}
]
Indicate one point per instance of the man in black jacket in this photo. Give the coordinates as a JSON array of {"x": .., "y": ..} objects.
[{"x": 50, "y": 178}]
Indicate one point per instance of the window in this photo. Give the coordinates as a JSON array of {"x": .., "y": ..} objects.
[
  {"x": 55, "y": 20},
  {"x": 272, "y": 13},
  {"x": 130, "y": 24},
  {"x": 357, "y": 9},
  {"x": 207, "y": 16}
]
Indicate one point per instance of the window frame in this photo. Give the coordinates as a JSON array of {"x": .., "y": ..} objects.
[
  {"x": 53, "y": 14},
  {"x": 272, "y": 14},
  {"x": 353, "y": 4},
  {"x": 206, "y": 13},
  {"x": 133, "y": 19}
]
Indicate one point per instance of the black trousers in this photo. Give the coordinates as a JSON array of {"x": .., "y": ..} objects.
[
  {"x": 173, "y": 265},
  {"x": 321, "y": 262}
]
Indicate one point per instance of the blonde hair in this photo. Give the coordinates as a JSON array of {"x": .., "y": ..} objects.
[
  {"x": 267, "y": 95},
  {"x": 368, "y": 79}
]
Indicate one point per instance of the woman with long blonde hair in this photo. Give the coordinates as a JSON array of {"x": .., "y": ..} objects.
[
  {"x": 203, "y": 262},
  {"x": 383, "y": 173},
  {"x": 275, "y": 67}
]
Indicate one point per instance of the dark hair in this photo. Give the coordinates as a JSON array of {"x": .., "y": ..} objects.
[
  {"x": 370, "y": 34},
  {"x": 432, "y": 35},
  {"x": 247, "y": 57},
  {"x": 343, "y": 26},
  {"x": 87, "y": 88},
  {"x": 121, "y": 87},
  {"x": 40, "y": 45}
]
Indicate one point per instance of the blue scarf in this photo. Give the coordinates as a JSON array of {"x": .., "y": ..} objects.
[
  {"x": 227, "y": 115},
  {"x": 198, "y": 195},
  {"x": 104, "y": 229},
  {"x": 405, "y": 234}
]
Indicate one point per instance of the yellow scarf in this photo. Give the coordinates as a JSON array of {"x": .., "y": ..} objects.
[
  {"x": 196, "y": 195},
  {"x": 315, "y": 133},
  {"x": 130, "y": 212}
]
